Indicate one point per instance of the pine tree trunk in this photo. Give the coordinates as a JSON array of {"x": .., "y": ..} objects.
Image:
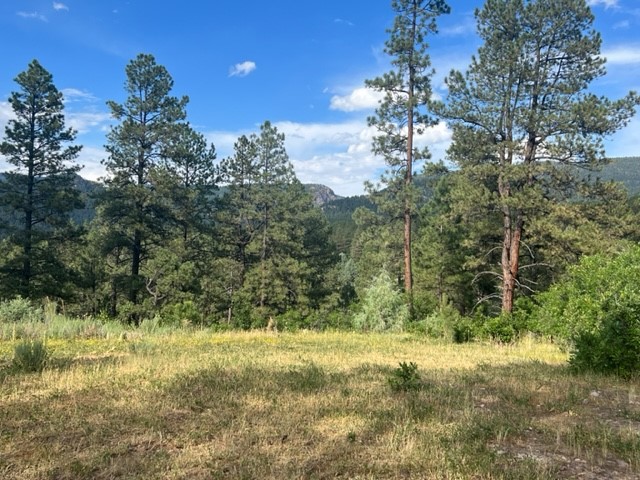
[
  {"x": 263, "y": 261},
  {"x": 408, "y": 273},
  {"x": 510, "y": 258},
  {"x": 136, "y": 254},
  {"x": 28, "y": 239}
]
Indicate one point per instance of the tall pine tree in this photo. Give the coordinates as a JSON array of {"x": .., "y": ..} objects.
[
  {"x": 403, "y": 113},
  {"x": 276, "y": 240},
  {"x": 38, "y": 194},
  {"x": 137, "y": 214},
  {"x": 522, "y": 112}
]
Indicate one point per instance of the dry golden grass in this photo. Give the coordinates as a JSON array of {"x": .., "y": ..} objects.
[{"x": 312, "y": 405}]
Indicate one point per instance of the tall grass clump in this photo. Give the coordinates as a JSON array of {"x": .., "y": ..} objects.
[
  {"x": 20, "y": 319},
  {"x": 383, "y": 307},
  {"x": 30, "y": 356}
]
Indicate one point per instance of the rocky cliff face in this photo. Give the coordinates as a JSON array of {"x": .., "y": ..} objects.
[{"x": 321, "y": 193}]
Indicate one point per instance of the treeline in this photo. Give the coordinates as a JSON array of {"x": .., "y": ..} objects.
[
  {"x": 164, "y": 239},
  {"x": 481, "y": 238}
]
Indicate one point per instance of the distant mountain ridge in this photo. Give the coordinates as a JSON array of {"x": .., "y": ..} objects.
[{"x": 338, "y": 209}]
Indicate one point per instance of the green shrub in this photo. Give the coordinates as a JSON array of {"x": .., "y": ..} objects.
[
  {"x": 463, "y": 330},
  {"x": 596, "y": 310},
  {"x": 446, "y": 322},
  {"x": 290, "y": 321},
  {"x": 30, "y": 356},
  {"x": 19, "y": 310},
  {"x": 383, "y": 307},
  {"x": 500, "y": 328},
  {"x": 181, "y": 314},
  {"x": 405, "y": 378},
  {"x": 615, "y": 347}
]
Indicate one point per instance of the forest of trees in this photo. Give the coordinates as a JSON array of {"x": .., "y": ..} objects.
[{"x": 181, "y": 234}]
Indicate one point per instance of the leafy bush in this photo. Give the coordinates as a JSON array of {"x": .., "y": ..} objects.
[
  {"x": 439, "y": 324},
  {"x": 405, "y": 378},
  {"x": 596, "y": 309},
  {"x": 383, "y": 307},
  {"x": 30, "y": 356},
  {"x": 290, "y": 321},
  {"x": 181, "y": 314},
  {"x": 463, "y": 330},
  {"x": 19, "y": 310},
  {"x": 615, "y": 347},
  {"x": 500, "y": 328}
]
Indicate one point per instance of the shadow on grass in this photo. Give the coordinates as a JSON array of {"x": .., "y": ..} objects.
[
  {"x": 352, "y": 423},
  {"x": 523, "y": 420}
]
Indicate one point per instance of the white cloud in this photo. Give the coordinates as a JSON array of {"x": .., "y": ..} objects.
[
  {"x": 6, "y": 114},
  {"x": 84, "y": 122},
  {"x": 242, "y": 69},
  {"x": 361, "y": 98},
  {"x": 466, "y": 27},
  {"x": 623, "y": 55},
  {"x": 34, "y": 15},
  {"x": 60, "y": 6},
  {"x": 76, "y": 95},
  {"x": 90, "y": 157},
  {"x": 344, "y": 22},
  {"x": 335, "y": 154},
  {"x": 605, "y": 3},
  {"x": 624, "y": 143}
]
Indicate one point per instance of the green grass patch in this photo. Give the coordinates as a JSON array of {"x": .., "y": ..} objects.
[{"x": 312, "y": 405}]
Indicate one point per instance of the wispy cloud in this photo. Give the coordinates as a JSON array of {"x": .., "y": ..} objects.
[
  {"x": 6, "y": 114},
  {"x": 625, "y": 142},
  {"x": 344, "y": 22},
  {"x": 467, "y": 27},
  {"x": 242, "y": 69},
  {"x": 624, "y": 24},
  {"x": 335, "y": 154},
  {"x": 85, "y": 122},
  {"x": 72, "y": 95},
  {"x": 60, "y": 6},
  {"x": 361, "y": 98},
  {"x": 605, "y": 3},
  {"x": 90, "y": 158},
  {"x": 623, "y": 55},
  {"x": 32, "y": 15}
]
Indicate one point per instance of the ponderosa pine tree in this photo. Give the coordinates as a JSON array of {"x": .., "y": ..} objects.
[
  {"x": 190, "y": 182},
  {"x": 522, "y": 112},
  {"x": 137, "y": 214},
  {"x": 38, "y": 194},
  {"x": 403, "y": 112},
  {"x": 276, "y": 240},
  {"x": 187, "y": 182}
]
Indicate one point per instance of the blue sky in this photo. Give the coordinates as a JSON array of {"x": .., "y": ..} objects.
[{"x": 299, "y": 64}]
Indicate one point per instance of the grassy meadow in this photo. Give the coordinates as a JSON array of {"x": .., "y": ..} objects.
[{"x": 204, "y": 405}]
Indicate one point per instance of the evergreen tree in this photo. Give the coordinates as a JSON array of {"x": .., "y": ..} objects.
[
  {"x": 186, "y": 183},
  {"x": 377, "y": 246},
  {"x": 442, "y": 247},
  {"x": 522, "y": 111},
  {"x": 38, "y": 193},
  {"x": 190, "y": 181},
  {"x": 138, "y": 215},
  {"x": 403, "y": 112},
  {"x": 277, "y": 242}
]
